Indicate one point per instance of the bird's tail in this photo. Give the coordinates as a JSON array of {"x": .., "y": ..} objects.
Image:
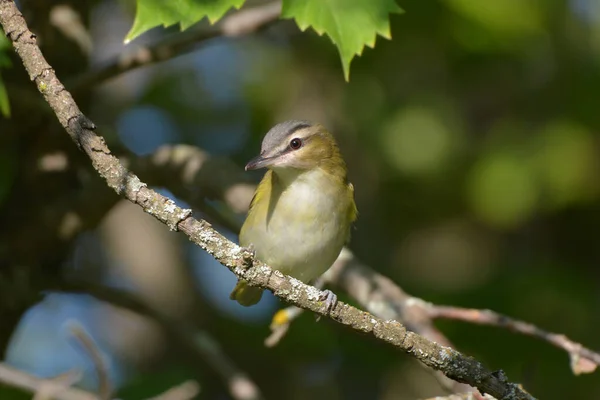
[{"x": 246, "y": 295}]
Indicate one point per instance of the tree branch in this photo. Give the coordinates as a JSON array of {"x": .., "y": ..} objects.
[
  {"x": 60, "y": 387},
  {"x": 583, "y": 360},
  {"x": 461, "y": 396},
  {"x": 185, "y": 391},
  {"x": 240, "y": 23},
  {"x": 238, "y": 260},
  {"x": 93, "y": 351}
]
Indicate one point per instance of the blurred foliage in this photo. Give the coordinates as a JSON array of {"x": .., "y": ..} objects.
[
  {"x": 4, "y": 63},
  {"x": 147, "y": 385},
  {"x": 9, "y": 393},
  {"x": 7, "y": 172},
  {"x": 472, "y": 140},
  {"x": 7, "y": 163}
]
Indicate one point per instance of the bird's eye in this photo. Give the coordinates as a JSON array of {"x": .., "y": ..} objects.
[{"x": 295, "y": 143}]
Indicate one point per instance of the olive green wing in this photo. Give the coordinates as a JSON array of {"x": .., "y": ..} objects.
[{"x": 261, "y": 195}]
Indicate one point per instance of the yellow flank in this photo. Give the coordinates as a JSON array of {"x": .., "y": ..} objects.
[{"x": 302, "y": 211}]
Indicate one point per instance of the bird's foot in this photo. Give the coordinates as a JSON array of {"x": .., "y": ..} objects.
[
  {"x": 250, "y": 249},
  {"x": 248, "y": 256},
  {"x": 330, "y": 300}
]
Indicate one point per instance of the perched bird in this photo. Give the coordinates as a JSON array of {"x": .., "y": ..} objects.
[{"x": 302, "y": 210}]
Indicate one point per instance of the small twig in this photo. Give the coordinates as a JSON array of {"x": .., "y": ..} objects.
[
  {"x": 240, "y": 23},
  {"x": 47, "y": 392},
  {"x": 583, "y": 360},
  {"x": 58, "y": 388},
  {"x": 184, "y": 391},
  {"x": 463, "y": 396},
  {"x": 95, "y": 354},
  {"x": 69, "y": 22}
]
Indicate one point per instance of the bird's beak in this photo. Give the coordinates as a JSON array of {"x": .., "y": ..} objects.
[{"x": 259, "y": 162}]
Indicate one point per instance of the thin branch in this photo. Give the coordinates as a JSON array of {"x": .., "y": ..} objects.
[
  {"x": 240, "y": 23},
  {"x": 60, "y": 387},
  {"x": 184, "y": 391},
  {"x": 67, "y": 379},
  {"x": 68, "y": 21},
  {"x": 95, "y": 354},
  {"x": 238, "y": 260},
  {"x": 57, "y": 388},
  {"x": 583, "y": 360},
  {"x": 462, "y": 396}
]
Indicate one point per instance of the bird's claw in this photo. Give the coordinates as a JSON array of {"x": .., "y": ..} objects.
[
  {"x": 248, "y": 256},
  {"x": 250, "y": 250},
  {"x": 330, "y": 300}
]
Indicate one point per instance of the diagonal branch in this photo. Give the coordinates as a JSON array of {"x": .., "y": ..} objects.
[
  {"x": 93, "y": 351},
  {"x": 583, "y": 360},
  {"x": 240, "y": 23},
  {"x": 461, "y": 396},
  {"x": 238, "y": 260},
  {"x": 61, "y": 387}
]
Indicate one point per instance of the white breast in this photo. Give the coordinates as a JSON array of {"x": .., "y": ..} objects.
[{"x": 307, "y": 229}]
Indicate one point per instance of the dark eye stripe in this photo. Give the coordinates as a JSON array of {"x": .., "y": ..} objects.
[{"x": 295, "y": 128}]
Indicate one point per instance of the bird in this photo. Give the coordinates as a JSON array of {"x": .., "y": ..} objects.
[{"x": 303, "y": 209}]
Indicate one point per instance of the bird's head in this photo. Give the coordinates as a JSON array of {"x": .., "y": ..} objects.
[{"x": 299, "y": 145}]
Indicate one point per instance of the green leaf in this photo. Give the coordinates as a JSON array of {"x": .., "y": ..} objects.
[
  {"x": 4, "y": 63},
  {"x": 4, "y": 104},
  {"x": 4, "y": 42},
  {"x": 4, "y": 48},
  {"x": 350, "y": 24},
  {"x": 151, "y": 13}
]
